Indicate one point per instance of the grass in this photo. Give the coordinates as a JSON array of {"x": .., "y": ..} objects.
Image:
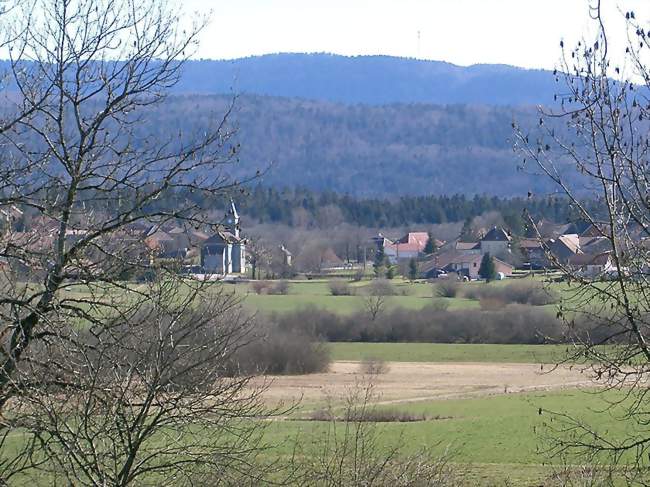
[
  {"x": 441, "y": 352},
  {"x": 316, "y": 293},
  {"x": 497, "y": 437}
]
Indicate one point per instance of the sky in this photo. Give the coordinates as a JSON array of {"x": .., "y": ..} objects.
[{"x": 518, "y": 32}]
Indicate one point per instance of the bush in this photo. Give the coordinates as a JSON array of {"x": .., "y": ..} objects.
[
  {"x": 352, "y": 453},
  {"x": 358, "y": 275},
  {"x": 340, "y": 288},
  {"x": 513, "y": 323},
  {"x": 374, "y": 366},
  {"x": 278, "y": 351},
  {"x": 447, "y": 288},
  {"x": 279, "y": 287},
  {"x": 381, "y": 287},
  {"x": 373, "y": 415},
  {"x": 533, "y": 293},
  {"x": 439, "y": 304},
  {"x": 260, "y": 287}
]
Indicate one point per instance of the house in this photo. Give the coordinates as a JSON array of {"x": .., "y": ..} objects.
[
  {"x": 468, "y": 248},
  {"x": 496, "y": 242},
  {"x": 225, "y": 252},
  {"x": 564, "y": 247},
  {"x": 550, "y": 229},
  {"x": 595, "y": 245},
  {"x": 411, "y": 246},
  {"x": 462, "y": 264},
  {"x": 330, "y": 261},
  {"x": 592, "y": 265},
  {"x": 11, "y": 217},
  {"x": 533, "y": 253}
]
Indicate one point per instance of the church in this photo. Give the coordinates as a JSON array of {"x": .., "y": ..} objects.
[{"x": 225, "y": 252}]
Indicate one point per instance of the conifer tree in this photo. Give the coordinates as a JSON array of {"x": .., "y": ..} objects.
[
  {"x": 430, "y": 246},
  {"x": 413, "y": 270},
  {"x": 487, "y": 270}
]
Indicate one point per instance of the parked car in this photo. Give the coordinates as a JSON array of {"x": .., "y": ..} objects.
[{"x": 437, "y": 274}]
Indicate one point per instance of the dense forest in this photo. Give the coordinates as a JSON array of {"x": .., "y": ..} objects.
[
  {"x": 369, "y": 80},
  {"x": 302, "y": 207},
  {"x": 363, "y": 150}
]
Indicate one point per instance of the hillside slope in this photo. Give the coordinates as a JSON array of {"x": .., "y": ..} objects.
[
  {"x": 364, "y": 150},
  {"x": 369, "y": 79}
]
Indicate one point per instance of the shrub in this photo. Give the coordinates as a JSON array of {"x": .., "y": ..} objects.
[
  {"x": 277, "y": 351},
  {"x": 390, "y": 272},
  {"x": 374, "y": 366},
  {"x": 352, "y": 453},
  {"x": 381, "y": 287},
  {"x": 260, "y": 287},
  {"x": 340, "y": 288},
  {"x": 532, "y": 293},
  {"x": 491, "y": 304},
  {"x": 358, "y": 275},
  {"x": 372, "y": 415},
  {"x": 513, "y": 323},
  {"x": 438, "y": 304},
  {"x": 447, "y": 288},
  {"x": 279, "y": 287}
]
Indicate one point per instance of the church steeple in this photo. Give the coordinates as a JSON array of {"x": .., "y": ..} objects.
[{"x": 235, "y": 218}]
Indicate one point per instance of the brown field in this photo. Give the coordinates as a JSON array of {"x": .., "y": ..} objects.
[{"x": 418, "y": 381}]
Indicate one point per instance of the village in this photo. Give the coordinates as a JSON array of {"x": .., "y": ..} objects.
[{"x": 228, "y": 254}]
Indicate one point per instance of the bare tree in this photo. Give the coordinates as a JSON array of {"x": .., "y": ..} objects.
[
  {"x": 83, "y": 164},
  {"x": 153, "y": 394},
  {"x": 350, "y": 451},
  {"x": 594, "y": 146},
  {"x": 83, "y": 159},
  {"x": 374, "y": 305}
]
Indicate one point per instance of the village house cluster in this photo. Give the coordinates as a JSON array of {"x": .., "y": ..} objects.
[
  {"x": 224, "y": 253},
  {"x": 210, "y": 255},
  {"x": 582, "y": 247}
]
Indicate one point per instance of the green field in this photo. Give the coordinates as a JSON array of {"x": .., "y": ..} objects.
[
  {"x": 442, "y": 352},
  {"x": 497, "y": 439},
  {"x": 316, "y": 293}
]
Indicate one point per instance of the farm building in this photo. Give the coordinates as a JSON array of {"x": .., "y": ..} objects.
[
  {"x": 592, "y": 265},
  {"x": 462, "y": 264},
  {"x": 411, "y": 246}
]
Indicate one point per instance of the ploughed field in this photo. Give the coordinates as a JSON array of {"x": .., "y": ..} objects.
[{"x": 410, "y": 382}]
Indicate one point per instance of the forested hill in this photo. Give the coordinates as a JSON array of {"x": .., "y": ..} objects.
[
  {"x": 365, "y": 150},
  {"x": 369, "y": 79}
]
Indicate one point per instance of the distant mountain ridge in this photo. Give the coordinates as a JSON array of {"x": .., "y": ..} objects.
[{"x": 373, "y": 80}]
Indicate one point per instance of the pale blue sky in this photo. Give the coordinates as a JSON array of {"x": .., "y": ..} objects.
[{"x": 519, "y": 32}]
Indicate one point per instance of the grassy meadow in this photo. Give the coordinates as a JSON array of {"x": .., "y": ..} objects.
[
  {"x": 316, "y": 293},
  {"x": 496, "y": 439},
  {"x": 444, "y": 352}
]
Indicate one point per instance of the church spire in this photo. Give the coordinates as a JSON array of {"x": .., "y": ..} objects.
[{"x": 235, "y": 217}]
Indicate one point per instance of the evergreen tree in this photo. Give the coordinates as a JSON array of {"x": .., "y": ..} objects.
[
  {"x": 413, "y": 269},
  {"x": 430, "y": 247},
  {"x": 390, "y": 272},
  {"x": 487, "y": 270},
  {"x": 380, "y": 260},
  {"x": 467, "y": 233},
  {"x": 380, "y": 256}
]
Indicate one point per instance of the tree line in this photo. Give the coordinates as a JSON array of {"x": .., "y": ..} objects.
[{"x": 303, "y": 207}]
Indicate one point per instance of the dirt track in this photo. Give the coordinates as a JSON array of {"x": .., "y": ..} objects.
[{"x": 417, "y": 381}]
